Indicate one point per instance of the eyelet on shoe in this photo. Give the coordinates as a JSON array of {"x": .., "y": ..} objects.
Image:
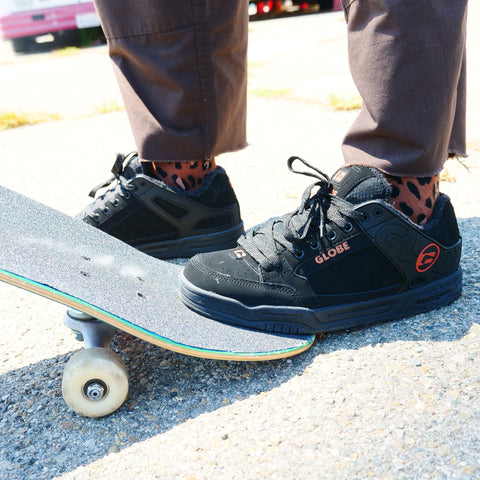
[
  {"x": 364, "y": 217},
  {"x": 378, "y": 212},
  {"x": 116, "y": 202},
  {"x": 96, "y": 217},
  {"x": 126, "y": 194},
  {"x": 315, "y": 245},
  {"x": 298, "y": 253},
  {"x": 106, "y": 210},
  {"x": 348, "y": 227},
  {"x": 332, "y": 235}
]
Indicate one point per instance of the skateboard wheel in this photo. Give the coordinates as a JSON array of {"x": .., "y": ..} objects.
[{"x": 95, "y": 382}]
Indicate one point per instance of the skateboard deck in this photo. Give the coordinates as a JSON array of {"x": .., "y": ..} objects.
[
  {"x": 113, "y": 286},
  {"x": 61, "y": 258}
]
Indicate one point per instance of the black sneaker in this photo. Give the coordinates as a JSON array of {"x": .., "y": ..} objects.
[
  {"x": 163, "y": 221},
  {"x": 345, "y": 258}
]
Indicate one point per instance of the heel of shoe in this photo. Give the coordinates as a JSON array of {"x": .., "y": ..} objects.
[
  {"x": 431, "y": 296},
  {"x": 189, "y": 246}
]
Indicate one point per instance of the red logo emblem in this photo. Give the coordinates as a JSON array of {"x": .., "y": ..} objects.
[{"x": 427, "y": 257}]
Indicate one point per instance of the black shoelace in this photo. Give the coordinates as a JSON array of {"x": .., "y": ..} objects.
[
  {"x": 117, "y": 185},
  {"x": 310, "y": 222}
]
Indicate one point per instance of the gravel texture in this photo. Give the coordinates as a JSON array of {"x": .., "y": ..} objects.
[{"x": 391, "y": 401}]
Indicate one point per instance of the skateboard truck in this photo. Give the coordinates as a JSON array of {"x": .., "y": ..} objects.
[{"x": 93, "y": 332}]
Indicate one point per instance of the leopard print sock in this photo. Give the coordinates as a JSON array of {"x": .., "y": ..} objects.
[
  {"x": 414, "y": 196},
  {"x": 184, "y": 175}
]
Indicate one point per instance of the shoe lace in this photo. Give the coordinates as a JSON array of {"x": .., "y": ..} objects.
[
  {"x": 117, "y": 186},
  {"x": 312, "y": 220}
]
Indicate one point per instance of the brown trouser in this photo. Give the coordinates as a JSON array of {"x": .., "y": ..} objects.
[{"x": 181, "y": 68}]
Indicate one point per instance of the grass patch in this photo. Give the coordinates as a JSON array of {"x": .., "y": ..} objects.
[
  {"x": 343, "y": 102},
  {"x": 271, "y": 92},
  {"x": 448, "y": 175},
  {"x": 471, "y": 146},
  {"x": 253, "y": 65},
  {"x": 109, "y": 107},
  {"x": 66, "y": 52},
  {"x": 14, "y": 120}
]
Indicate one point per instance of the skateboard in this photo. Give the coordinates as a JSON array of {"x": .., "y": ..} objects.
[{"x": 111, "y": 286}]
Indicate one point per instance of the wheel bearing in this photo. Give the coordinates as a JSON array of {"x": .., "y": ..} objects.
[{"x": 95, "y": 390}]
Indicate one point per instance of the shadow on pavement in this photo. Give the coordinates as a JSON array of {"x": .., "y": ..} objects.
[{"x": 166, "y": 389}]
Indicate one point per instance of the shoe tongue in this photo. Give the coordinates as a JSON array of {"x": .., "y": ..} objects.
[
  {"x": 132, "y": 167},
  {"x": 358, "y": 184}
]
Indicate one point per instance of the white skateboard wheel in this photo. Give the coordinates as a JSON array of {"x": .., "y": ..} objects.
[{"x": 95, "y": 382}]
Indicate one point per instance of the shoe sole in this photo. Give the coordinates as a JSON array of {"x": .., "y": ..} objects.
[
  {"x": 299, "y": 320},
  {"x": 189, "y": 246}
]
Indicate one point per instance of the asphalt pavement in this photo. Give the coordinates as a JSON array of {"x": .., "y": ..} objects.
[{"x": 398, "y": 400}]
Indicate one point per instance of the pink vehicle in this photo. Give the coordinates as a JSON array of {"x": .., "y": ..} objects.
[{"x": 24, "y": 21}]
